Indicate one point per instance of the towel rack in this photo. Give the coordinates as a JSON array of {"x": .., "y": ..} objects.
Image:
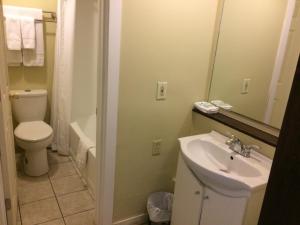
[{"x": 49, "y": 17}]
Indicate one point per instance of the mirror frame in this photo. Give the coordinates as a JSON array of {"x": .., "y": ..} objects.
[{"x": 254, "y": 130}]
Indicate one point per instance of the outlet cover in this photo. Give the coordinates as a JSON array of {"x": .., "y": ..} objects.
[{"x": 156, "y": 147}]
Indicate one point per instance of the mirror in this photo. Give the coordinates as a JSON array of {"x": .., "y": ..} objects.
[{"x": 256, "y": 52}]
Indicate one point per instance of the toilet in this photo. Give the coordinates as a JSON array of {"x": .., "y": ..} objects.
[{"x": 32, "y": 134}]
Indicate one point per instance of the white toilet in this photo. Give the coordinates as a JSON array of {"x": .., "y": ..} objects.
[{"x": 32, "y": 134}]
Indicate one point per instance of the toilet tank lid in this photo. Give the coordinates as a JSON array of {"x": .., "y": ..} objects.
[{"x": 28, "y": 93}]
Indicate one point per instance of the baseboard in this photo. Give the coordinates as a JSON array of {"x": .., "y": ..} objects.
[{"x": 135, "y": 220}]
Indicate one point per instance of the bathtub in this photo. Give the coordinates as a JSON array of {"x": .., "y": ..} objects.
[{"x": 85, "y": 127}]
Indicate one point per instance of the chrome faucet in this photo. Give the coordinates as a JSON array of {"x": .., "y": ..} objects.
[{"x": 236, "y": 145}]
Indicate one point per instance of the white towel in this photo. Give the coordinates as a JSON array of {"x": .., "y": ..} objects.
[
  {"x": 28, "y": 32},
  {"x": 13, "y": 32},
  {"x": 82, "y": 149},
  {"x": 35, "y": 57},
  {"x": 31, "y": 57}
]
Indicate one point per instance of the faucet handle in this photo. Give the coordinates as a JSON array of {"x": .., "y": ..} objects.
[
  {"x": 248, "y": 148},
  {"x": 232, "y": 139}
]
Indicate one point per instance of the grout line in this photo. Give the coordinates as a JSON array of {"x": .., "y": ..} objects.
[
  {"x": 51, "y": 221},
  {"x": 57, "y": 201},
  {"x": 77, "y": 173},
  {"x": 43, "y": 221},
  {"x": 48, "y": 221},
  {"x": 42, "y": 199},
  {"x": 61, "y": 177},
  {"x": 84, "y": 211},
  {"x": 56, "y": 196},
  {"x": 82, "y": 178},
  {"x": 20, "y": 213},
  {"x": 72, "y": 192}
]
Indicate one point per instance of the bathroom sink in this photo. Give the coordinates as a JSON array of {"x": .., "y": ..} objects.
[{"x": 225, "y": 171}]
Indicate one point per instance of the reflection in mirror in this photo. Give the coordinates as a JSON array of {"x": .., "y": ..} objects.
[{"x": 257, "y": 49}]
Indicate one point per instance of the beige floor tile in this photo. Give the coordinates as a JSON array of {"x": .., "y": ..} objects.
[
  {"x": 40, "y": 212},
  {"x": 54, "y": 158},
  {"x": 30, "y": 192},
  {"x": 23, "y": 180},
  {"x": 61, "y": 170},
  {"x": 19, "y": 223},
  {"x": 54, "y": 222},
  {"x": 75, "y": 202},
  {"x": 67, "y": 185},
  {"x": 84, "y": 218}
]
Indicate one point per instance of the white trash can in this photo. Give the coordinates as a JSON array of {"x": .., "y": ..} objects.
[{"x": 159, "y": 206}]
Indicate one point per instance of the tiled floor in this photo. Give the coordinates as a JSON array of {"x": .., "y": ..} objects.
[{"x": 57, "y": 198}]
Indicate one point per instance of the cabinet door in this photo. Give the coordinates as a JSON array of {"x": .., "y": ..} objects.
[
  {"x": 222, "y": 210},
  {"x": 187, "y": 198}
]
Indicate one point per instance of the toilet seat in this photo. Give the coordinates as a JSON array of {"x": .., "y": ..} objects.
[{"x": 33, "y": 131}]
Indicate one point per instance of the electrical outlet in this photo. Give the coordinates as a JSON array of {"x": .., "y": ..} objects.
[
  {"x": 245, "y": 87},
  {"x": 156, "y": 146},
  {"x": 161, "y": 92}
]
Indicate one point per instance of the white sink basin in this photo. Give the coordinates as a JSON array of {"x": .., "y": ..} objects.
[{"x": 219, "y": 168}]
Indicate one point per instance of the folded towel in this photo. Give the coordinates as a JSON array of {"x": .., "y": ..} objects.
[
  {"x": 13, "y": 32},
  {"x": 28, "y": 32},
  {"x": 82, "y": 149},
  {"x": 31, "y": 57},
  {"x": 35, "y": 57},
  {"x": 23, "y": 11}
]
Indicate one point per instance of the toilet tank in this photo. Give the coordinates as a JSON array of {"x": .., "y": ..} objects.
[{"x": 28, "y": 105}]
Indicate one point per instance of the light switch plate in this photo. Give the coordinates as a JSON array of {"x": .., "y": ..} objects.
[
  {"x": 161, "y": 92},
  {"x": 245, "y": 87}
]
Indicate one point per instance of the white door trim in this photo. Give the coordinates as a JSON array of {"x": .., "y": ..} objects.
[
  {"x": 108, "y": 92},
  {"x": 3, "y": 219},
  {"x": 279, "y": 59}
]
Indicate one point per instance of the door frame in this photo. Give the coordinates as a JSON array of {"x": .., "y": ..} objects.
[
  {"x": 107, "y": 102},
  {"x": 279, "y": 61},
  {"x": 7, "y": 150},
  {"x": 3, "y": 219}
]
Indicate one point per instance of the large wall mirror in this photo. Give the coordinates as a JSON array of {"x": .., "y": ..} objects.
[{"x": 256, "y": 51}]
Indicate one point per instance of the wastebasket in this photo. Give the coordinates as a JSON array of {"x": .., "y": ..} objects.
[{"x": 159, "y": 206}]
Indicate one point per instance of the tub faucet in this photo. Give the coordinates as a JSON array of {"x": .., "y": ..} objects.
[{"x": 236, "y": 145}]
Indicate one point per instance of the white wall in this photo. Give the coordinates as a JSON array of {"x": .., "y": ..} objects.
[
  {"x": 171, "y": 41},
  {"x": 85, "y": 59}
]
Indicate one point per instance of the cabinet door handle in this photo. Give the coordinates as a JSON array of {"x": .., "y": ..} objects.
[
  {"x": 197, "y": 192},
  {"x": 205, "y": 197}
]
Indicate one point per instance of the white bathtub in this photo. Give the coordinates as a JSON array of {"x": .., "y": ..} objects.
[{"x": 80, "y": 128}]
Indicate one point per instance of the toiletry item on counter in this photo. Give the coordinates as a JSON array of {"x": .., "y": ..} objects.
[
  {"x": 221, "y": 104},
  {"x": 206, "y": 107}
]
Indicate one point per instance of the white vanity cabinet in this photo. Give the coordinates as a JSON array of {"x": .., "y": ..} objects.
[
  {"x": 218, "y": 209},
  {"x": 195, "y": 204},
  {"x": 187, "y": 198}
]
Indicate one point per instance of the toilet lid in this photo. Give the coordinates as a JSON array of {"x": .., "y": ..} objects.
[{"x": 33, "y": 131}]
